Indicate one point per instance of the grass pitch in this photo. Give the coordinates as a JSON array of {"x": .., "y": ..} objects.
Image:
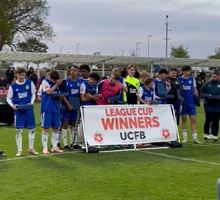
[{"x": 184, "y": 173}]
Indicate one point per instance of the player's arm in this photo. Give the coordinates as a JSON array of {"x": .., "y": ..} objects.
[
  {"x": 195, "y": 91},
  {"x": 123, "y": 86},
  {"x": 204, "y": 92},
  {"x": 139, "y": 95},
  {"x": 46, "y": 88},
  {"x": 9, "y": 98},
  {"x": 33, "y": 93},
  {"x": 83, "y": 97},
  {"x": 66, "y": 102}
]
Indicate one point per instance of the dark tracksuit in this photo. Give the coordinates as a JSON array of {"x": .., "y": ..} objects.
[
  {"x": 176, "y": 91},
  {"x": 211, "y": 106}
]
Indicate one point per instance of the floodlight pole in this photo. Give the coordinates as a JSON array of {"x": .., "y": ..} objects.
[
  {"x": 137, "y": 43},
  {"x": 61, "y": 49},
  {"x": 77, "y": 48},
  {"x": 103, "y": 69},
  {"x": 122, "y": 52},
  {"x": 148, "y": 45},
  {"x": 167, "y": 30}
]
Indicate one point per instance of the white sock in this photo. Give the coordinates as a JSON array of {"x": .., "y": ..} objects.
[
  {"x": 184, "y": 134},
  {"x": 51, "y": 139},
  {"x": 55, "y": 139},
  {"x": 71, "y": 134},
  {"x": 44, "y": 141},
  {"x": 19, "y": 139},
  {"x": 64, "y": 136},
  {"x": 31, "y": 136},
  {"x": 194, "y": 135}
]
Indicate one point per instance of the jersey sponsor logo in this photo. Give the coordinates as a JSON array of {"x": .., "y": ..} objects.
[
  {"x": 185, "y": 87},
  {"x": 22, "y": 95},
  {"x": 74, "y": 91}
]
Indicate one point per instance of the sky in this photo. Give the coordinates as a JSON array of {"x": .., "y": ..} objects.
[{"x": 114, "y": 27}]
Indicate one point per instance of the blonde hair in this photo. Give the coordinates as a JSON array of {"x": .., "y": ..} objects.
[{"x": 144, "y": 74}]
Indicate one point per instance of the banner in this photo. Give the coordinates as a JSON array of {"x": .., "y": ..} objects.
[{"x": 128, "y": 124}]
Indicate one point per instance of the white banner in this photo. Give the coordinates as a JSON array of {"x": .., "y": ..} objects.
[{"x": 128, "y": 124}]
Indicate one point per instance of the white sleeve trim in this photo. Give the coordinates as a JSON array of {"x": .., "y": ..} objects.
[
  {"x": 82, "y": 88},
  {"x": 140, "y": 92},
  {"x": 9, "y": 96},
  {"x": 45, "y": 86},
  {"x": 33, "y": 92}
]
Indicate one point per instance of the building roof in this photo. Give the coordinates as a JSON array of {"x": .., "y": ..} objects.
[{"x": 99, "y": 59}]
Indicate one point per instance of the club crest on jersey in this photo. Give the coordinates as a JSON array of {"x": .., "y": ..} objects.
[
  {"x": 190, "y": 81},
  {"x": 27, "y": 87}
]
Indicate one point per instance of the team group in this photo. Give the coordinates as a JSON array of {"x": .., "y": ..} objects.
[{"x": 59, "y": 111}]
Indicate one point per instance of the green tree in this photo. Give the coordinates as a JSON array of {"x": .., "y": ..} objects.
[
  {"x": 179, "y": 52},
  {"x": 32, "y": 44},
  {"x": 23, "y": 18},
  {"x": 216, "y": 55}
]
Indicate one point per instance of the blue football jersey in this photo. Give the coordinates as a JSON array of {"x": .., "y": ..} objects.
[
  {"x": 89, "y": 90},
  {"x": 73, "y": 87},
  {"x": 21, "y": 93},
  {"x": 49, "y": 103},
  {"x": 188, "y": 88},
  {"x": 147, "y": 94}
]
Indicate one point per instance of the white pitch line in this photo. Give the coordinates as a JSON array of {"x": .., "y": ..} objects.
[
  {"x": 202, "y": 145},
  {"x": 36, "y": 156},
  {"x": 180, "y": 158},
  {"x": 125, "y": 150}
]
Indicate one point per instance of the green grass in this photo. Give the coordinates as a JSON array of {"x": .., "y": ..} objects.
[{"x": 144, "y": 175}]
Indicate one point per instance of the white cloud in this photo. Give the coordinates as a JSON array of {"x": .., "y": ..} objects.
[{"x": 111, "y": 25}]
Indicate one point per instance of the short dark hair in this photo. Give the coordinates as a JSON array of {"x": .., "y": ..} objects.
[
  {"x": 84, "y": 66},
  {"x": 149, "y": 80},
  {"x": 20, "y": 70},
  {"x": 130, "y": 66},
  {"x": 94, "y": 76},
  {"x": 215, "y": 72},
  {"x": 173, "y": 69},
  {"x": 186, "y": 68},
  {"x": 54, "y": 75},
  {"x": 163, "y": 71},
  {"x": 74, "y": 66}
]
